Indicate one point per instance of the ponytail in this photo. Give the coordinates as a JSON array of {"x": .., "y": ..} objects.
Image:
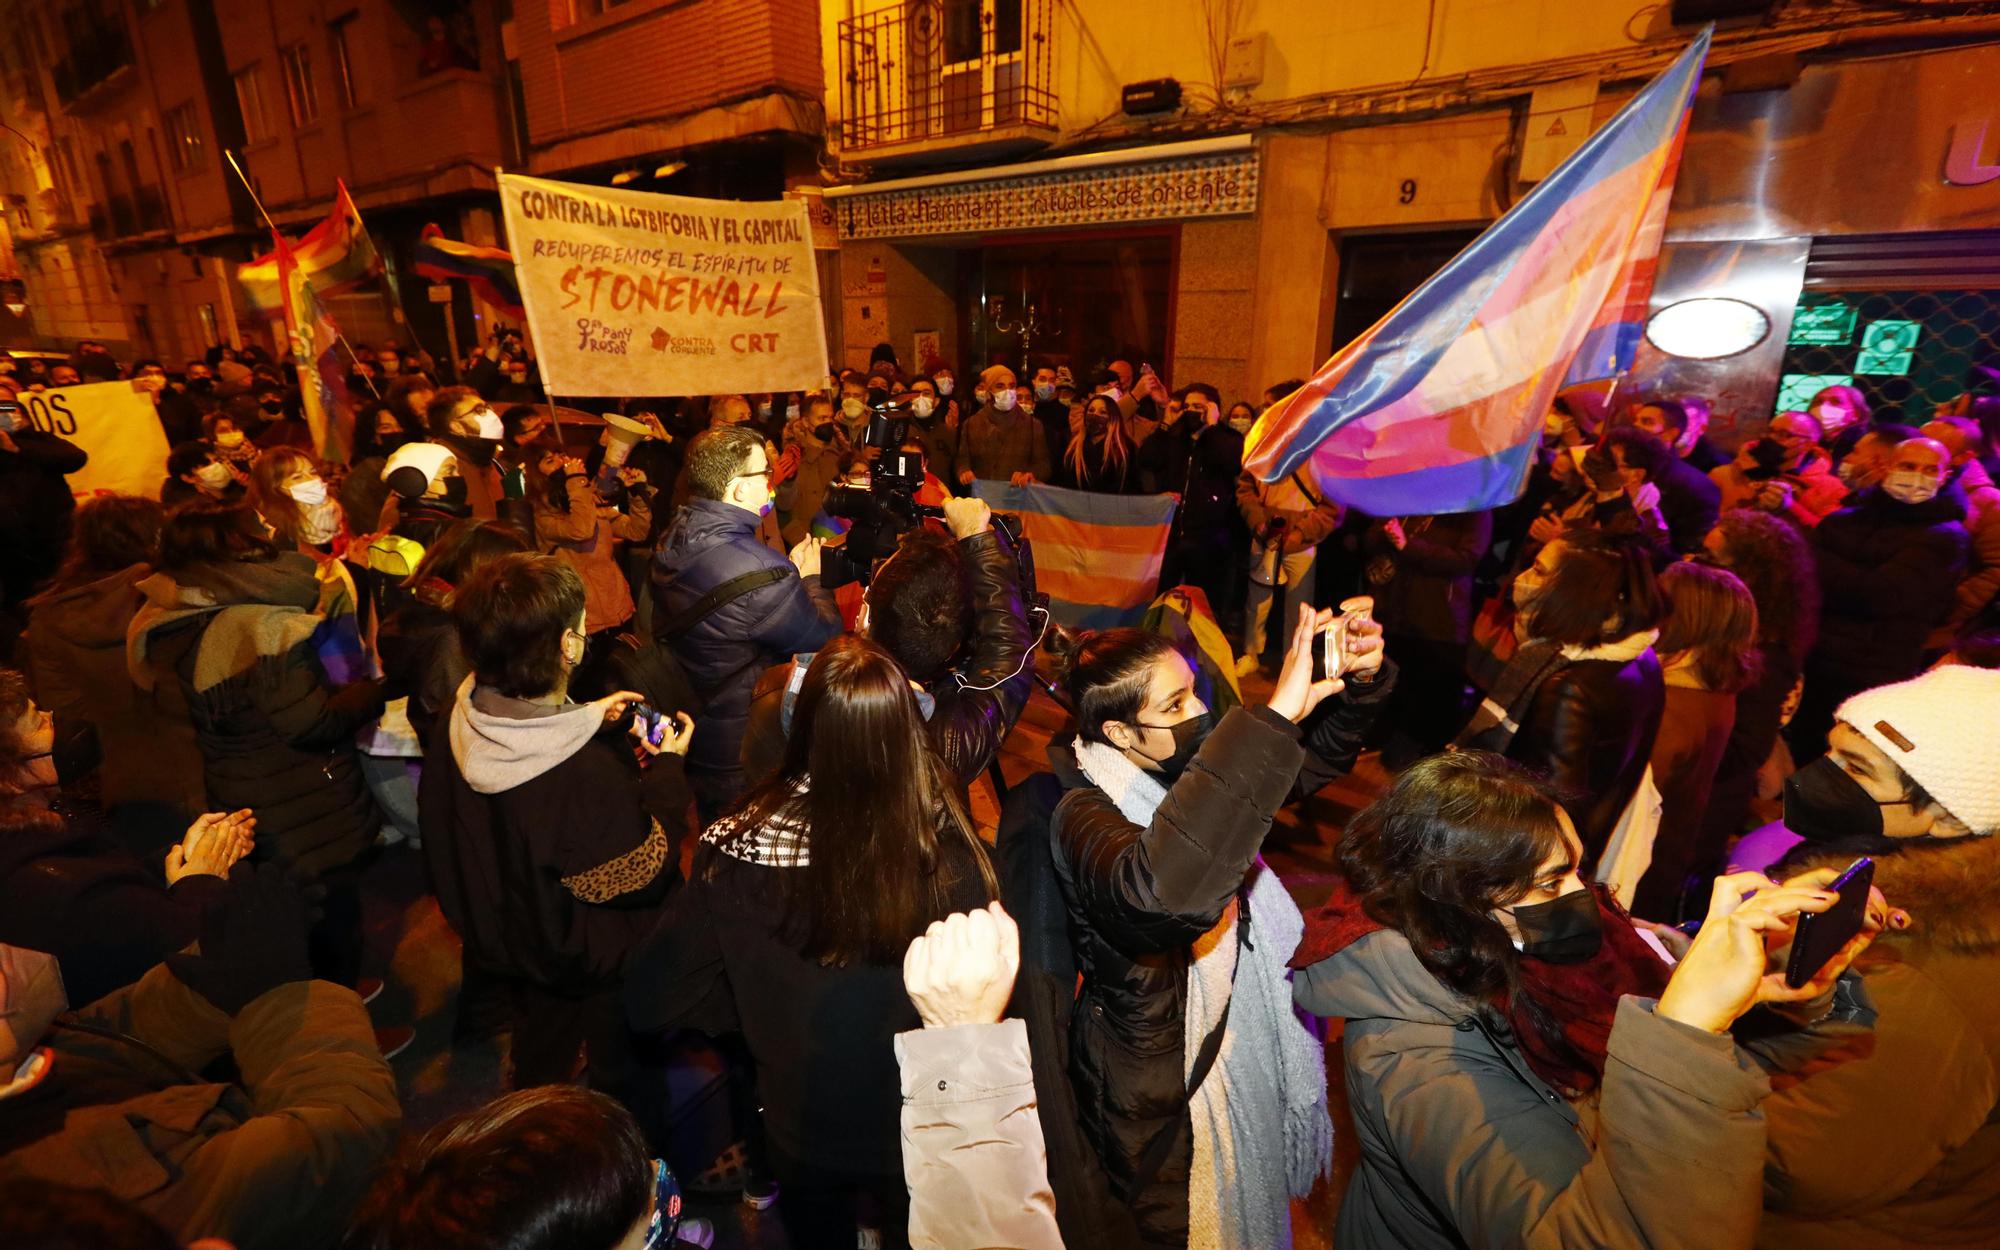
[{"x": 1104, "y": 673}]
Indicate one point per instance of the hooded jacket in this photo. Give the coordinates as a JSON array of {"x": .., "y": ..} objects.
[
  {"x": 1888, "y": 573},
  {"x": 546, "y": 841},
  {"x": 76, "y": 649},
  {"x": 1137, "y": 900},
  {"x": 711, "y": 543},
  {"x": 1463, "y": 1145},
  {"x": 275, "y": 735},
  {"x": 1900, "y": 1144}
]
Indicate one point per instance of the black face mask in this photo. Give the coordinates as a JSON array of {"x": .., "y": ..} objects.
[
  {"x": 454, "y": 492},
  {"x": 1567, "y": 930},
  {"x": 1188, "y": 737},
  {"x": 201, "y": 386},
  {"x": 824, "y": 431},
  {"x": 1824, "y": 804},
  {"x": 272, "y": 406}
]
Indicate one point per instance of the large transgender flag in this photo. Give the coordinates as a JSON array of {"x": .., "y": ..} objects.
[{"x": 1438, "y": 406}]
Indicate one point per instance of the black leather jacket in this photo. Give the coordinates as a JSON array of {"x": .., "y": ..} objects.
[
  {"x": 1591, "y": 727},
  {"x": 976, "y": 704},
  {"x": 1138, "y": 898}
]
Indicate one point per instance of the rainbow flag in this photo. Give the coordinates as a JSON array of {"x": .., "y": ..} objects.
[
  {"x": 1438, "y": 407},
  {"x": 1097, "y": 556},
  {"x": 490, "y": 270},
  {"x": 329, "y": 410},
  {"x": 336, "y": 255}
]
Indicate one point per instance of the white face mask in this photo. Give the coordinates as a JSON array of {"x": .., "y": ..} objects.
[
  {"x": 311, "y": 492},
  {"x": 489, "y": 424},
  {"x": 1004, "y": 399},
  {"x": 1242, "y": 424},
  {"x": 214, "y": 475},
  {"x": 791, "y": 412},
  {"x": 1910, "y": 486},
  {"x": 852, "y": 408},
  {"x": 944, "y": 386},
  {"x": 923, "y": 406}
]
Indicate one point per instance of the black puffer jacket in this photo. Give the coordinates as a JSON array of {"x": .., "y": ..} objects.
[
  {"x": 975, "y": 705},
  {"x": 711, "y": 543},
  {"x": 275, "y": 735},
  {"x": 1888, "y": 573},
  {"x": 1138, "y": 898},
  {"x": 1591, "y": 728}
]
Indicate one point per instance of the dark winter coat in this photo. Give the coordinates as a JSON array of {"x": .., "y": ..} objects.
[
  {"x": 276, "y": 1162},
  {"x": 1464, "y": 1147},
  {"x": 1430, "y": 596},
  {"x": 1694, "y": 732},
  {"x": 974, "y": 706},
  {"x": 822, "y": 1035},
  {"x": 421, "y": 660},
  {"x": 1591, "y": 727},
  {"x": 558, "y": 878},
  {"x": 76, "y": 648},
  {"x": 710, "y": 543},
  {"x": 35, "y": 509},
  {"x": 275, "y": 735},
  {"x": 1888, "y": 573},
  {"x": 1138, "y": 898},
  {"x": 1689, "y": 502},
  {"x": 73, "y": 892}
]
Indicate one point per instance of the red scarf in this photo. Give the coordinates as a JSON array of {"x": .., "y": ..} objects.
[{"x": 1582, "y": 998}]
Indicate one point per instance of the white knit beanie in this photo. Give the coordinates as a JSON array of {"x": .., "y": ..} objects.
[{"x": 1943, "y": 729}]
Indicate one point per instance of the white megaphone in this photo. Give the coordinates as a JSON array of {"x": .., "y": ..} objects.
[{"x": 623, "y": 435}]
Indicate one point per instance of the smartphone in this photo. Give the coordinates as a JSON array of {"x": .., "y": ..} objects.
[
  {"x": 1330, "y": 658},
  {"x": 655, "y": 725},
  {"x": 1820, "y": 935}
]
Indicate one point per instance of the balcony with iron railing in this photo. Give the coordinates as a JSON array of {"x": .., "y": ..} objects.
[
  {"x": 974, "y": 78},
  {"x": 92, "y": 60}
]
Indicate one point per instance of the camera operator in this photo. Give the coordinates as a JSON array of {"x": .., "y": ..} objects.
[
  {"x": 951, "y": 611},
  {"x": 1783, "y": 472}
]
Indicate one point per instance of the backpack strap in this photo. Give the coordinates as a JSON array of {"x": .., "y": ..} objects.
[{"x": 728, "y": 592}]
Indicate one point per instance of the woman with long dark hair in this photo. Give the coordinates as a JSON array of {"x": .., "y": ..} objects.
[
  {"x": 1197, "y": 1092},
  {"x": 1581, "y": 698},
  {"x": 1775, "y": 561},
  {"x": 1524, "y": 1068},
  {"x": 793, "y": 927},
  {"x": 1708, "y": 654},
  {"x": 1101, "y": 456}
]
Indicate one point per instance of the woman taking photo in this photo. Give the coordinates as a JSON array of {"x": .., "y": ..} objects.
[
  {"x": 1524, "y": 1069},
  {"x": 1581, "y": 698},
  {"x": 1708, "y": 654},
  {"x": 1180, "y": 932},
  {"x": 793, "y": 927}
]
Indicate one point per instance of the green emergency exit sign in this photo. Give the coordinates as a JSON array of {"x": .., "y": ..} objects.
[{"x": 1823, "y": 325}]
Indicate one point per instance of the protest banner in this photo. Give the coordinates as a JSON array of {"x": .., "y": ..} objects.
[
  {"x": 115, "y": 424},
  {"x": 630, "y": 293}
]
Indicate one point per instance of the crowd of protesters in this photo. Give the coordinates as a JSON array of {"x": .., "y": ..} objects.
[{"x": 676, "y": 768}]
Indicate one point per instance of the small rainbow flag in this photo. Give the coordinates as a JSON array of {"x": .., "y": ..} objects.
[
  {"x": 336, "y": 255},
  {"x": 490, "y": 270},
  {"x": 331, "y": 418},
  {"x": 1097, "y": 556},
  {"x": 1438, "y": 406}
]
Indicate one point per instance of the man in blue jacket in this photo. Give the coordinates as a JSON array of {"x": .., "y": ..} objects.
[{"x": 727, "y": 606}]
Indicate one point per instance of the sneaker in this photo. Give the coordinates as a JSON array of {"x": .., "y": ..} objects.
[
  {"x": 760, "y": 1193},
  {"x": 695, "y": 1231},
  {"x": 370, "y": 988},
  {"x": 1247, "y": 665},
  {"x": 394, "y": 1040}
]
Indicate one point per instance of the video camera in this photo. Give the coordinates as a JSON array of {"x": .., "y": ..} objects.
[{"x": 879, "y": 500}]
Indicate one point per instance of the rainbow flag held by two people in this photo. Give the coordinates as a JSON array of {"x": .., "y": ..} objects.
[
  {"x": 1438, "y": 407},
  {"x": 489, "y": 270},
  {"x": 336, "y": 255}
]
